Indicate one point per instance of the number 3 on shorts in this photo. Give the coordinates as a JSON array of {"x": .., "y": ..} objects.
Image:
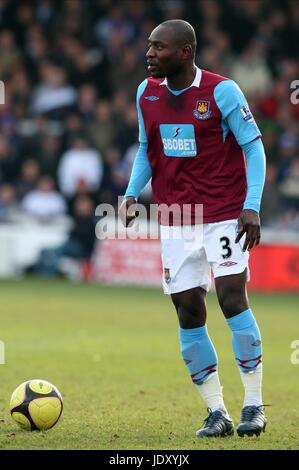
[{"x": 227, "y": 251}]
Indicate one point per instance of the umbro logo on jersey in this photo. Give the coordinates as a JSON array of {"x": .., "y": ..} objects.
[
  {"x": 257, "y": 342},
  {"x": 151, "y": 98}
]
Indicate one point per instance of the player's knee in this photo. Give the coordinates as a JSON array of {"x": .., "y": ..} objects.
[
  {"x": 190, "y": 319},
  {"x": 232, "y": 303},
  {"x": 187, "y": 302},
  {"x": 190, "y": 309}
]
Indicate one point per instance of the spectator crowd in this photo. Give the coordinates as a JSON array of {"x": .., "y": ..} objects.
[{"x": 68, "y": 127}]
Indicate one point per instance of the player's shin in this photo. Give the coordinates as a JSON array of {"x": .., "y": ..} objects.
[
  {"x": 247, "y": 347},
  {"x": 201, "y": 360}
]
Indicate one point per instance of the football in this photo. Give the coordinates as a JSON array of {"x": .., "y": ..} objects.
[{"x": 36, "y": 405}]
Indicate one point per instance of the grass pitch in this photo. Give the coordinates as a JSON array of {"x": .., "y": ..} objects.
[{"x": 114, "y": 355}]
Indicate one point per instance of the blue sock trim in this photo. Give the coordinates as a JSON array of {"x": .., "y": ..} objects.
[
  {"x": 198, "y": 353},
  {"x": 196, "y": 333},
  {"x": 241, "y": 321},
  {"x": 246, "y": 339}
]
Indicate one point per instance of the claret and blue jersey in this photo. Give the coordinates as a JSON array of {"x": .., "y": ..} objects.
[{"x": 192, "y": 145}]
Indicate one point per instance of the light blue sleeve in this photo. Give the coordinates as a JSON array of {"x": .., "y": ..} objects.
[
  {"x": 142, "y": 133},
  {"x": 255, "y": 172},
  {"x": 141, "y": 171},
  {"x": 235, "y": 112}
]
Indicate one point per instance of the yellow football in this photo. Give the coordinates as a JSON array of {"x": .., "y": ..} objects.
[{"x": 36, "y": 405}]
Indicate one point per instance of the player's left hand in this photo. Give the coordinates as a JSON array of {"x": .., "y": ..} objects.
[{"x": 249, "y": 224}]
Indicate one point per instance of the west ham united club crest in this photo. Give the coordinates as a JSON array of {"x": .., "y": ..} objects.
[
  {"x": 202, "y": 110},
  {"x": 167, "y": 275}
]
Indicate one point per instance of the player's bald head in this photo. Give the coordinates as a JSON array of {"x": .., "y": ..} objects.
[
  {"x": 171, "y": 48},
  {"x": 179, "y": 32}
]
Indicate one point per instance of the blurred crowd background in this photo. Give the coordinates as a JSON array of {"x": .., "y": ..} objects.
[{"x": 68, "y": 128}]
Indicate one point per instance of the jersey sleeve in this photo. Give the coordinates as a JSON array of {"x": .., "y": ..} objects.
[
  {"x": 235, "y": 112},
  {"x": 141, "y": 171},
  {"x": 142, "y": 133},
  {"x": 255, "y": 172}
]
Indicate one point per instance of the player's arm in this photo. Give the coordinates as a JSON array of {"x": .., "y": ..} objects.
[
  {"x": 141, "y": 171},
  {"x": 249, "y": 221},
  {"x": 141, "y": 174},
  {"x": 238, "y": 118}
]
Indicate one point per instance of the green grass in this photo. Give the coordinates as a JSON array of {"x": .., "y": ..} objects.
[{"x": 114, "y": 355}]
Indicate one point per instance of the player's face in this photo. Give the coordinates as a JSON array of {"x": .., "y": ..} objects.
[{"x": 163, "y": 55}]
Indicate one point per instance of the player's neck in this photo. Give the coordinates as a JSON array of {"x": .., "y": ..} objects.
[{"x": 183, "y": 79}]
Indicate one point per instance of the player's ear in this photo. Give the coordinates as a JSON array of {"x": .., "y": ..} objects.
[{"x": 186, "y": 51}]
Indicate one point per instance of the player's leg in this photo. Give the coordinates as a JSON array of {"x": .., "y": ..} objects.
[
  {"x": 230, "y": 268},
  {"x": 246, "y": 340},
  {"x": 191, "y": 308},
  {"x": 187, "y": 278},
  {"x": 200, "y": 357}
]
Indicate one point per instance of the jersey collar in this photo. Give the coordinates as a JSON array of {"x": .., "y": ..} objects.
[{"x": 196, "y": 81}]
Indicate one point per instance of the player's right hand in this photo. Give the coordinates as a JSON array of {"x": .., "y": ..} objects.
[{"x": 126, "y": 214}]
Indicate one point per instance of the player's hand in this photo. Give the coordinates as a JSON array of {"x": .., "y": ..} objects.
[
  {"x": 126, "y": 215},
  {"x": 249, "y": 224}
]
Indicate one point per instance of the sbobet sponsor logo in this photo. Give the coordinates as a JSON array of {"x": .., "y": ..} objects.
[{"x": 178, "y": 140}]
